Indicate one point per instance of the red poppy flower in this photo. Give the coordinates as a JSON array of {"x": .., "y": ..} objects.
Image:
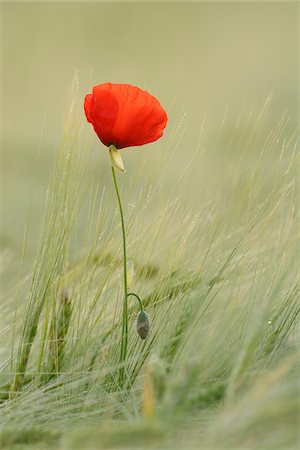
[{"x": 124, "y": 115}]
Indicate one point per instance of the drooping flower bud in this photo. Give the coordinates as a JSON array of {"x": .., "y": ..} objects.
[
  {"x": 116, "y": 159},
  {"x": 143, "y": 325}
]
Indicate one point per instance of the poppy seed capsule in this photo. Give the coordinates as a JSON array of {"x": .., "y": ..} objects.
[{"x": 143, "y": 325}]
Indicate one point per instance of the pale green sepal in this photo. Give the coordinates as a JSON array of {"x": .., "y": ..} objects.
[{"x": 116, "y": 159}]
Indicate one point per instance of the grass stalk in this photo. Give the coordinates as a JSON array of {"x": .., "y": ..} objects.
[{"x": 57, "y": 337}]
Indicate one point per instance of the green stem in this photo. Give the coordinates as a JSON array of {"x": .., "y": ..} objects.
[
  {"x": 138, "y": 298},
  {"x": 124, "y": 339}
]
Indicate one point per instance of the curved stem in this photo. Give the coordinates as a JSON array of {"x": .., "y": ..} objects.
[
  {"x": 138, "y": 298},
  {"x": 124, "y": 339}
]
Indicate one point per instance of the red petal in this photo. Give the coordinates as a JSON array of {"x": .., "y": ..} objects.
[
  {"x": 125, "y": 115},
  {"x": 87, "y": 107}
]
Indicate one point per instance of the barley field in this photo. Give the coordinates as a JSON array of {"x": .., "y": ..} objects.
[{"x": 212, "y": 221}]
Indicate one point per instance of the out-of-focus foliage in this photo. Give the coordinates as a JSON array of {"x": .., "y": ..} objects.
[{"x": 211, "y": 214}]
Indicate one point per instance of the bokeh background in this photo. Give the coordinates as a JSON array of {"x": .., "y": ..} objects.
[
  {"x": 211, "y": 218},
  {"x": 210, "y": 64}
]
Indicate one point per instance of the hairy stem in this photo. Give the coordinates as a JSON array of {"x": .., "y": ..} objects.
[
  {"x": 124, "y": 339},
  {"x": 138, "y": 299}
]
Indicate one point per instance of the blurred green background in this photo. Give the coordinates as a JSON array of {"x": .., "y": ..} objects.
[
  {"x": 210, "y": 65},
  {"x": 211, "y": 220}
]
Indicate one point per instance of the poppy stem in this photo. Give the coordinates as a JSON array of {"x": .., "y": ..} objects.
[
  {"x": 124, "y": 339},
  {"x": 138, "y": 299}
]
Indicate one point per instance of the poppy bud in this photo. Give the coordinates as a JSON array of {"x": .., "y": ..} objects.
[
  {"x": 116, "y": 159},
  {"x": 143, "y": 325}
]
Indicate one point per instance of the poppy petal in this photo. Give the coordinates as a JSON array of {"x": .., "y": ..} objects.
[
  {"x": 141, "y": 119},
  {"x": 125, "y": 115},
  {"x": 87, "y": 107}
]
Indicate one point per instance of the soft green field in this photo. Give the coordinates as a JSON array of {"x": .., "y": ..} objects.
[{"x": 212, "y": 220}]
